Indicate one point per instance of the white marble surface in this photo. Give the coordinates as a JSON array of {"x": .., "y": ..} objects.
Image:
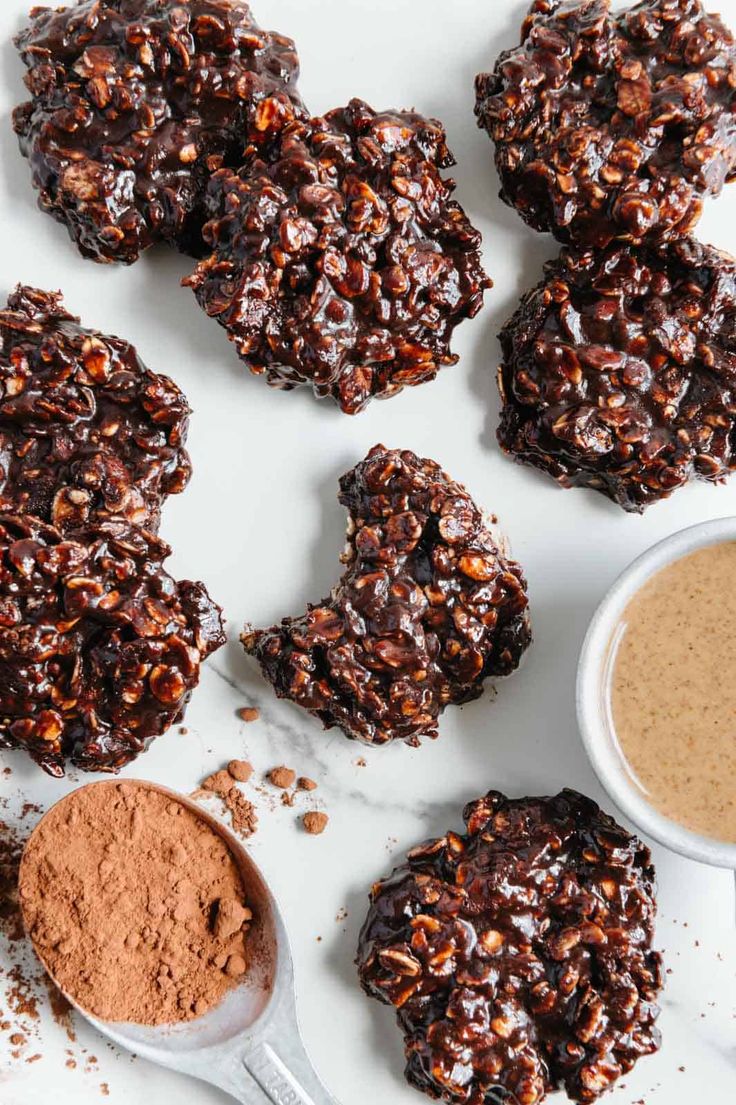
[{"x": 260, "y": 523}]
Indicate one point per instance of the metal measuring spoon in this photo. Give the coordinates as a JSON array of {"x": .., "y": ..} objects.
[{"x": 249, "y": 1045}]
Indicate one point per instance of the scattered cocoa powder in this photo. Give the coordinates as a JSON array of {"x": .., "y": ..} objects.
[
  {"x": 315, "y": 822},
  {"x": 282, "y": 777},
  {"x": 249, "y": 713},
  {"x": 61, "y": 1010},
  {"x": 22, "y": 983},
  {"x": 240, "y": 770},
  {"x": 222, "y": 782},
  {"x": 11, "y": 850},
  {"x": 121, "y": 888},
  {"x": 243, "y": 816}
]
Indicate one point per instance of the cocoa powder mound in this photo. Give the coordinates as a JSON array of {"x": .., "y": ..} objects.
[{"x": 131, "y": 902}]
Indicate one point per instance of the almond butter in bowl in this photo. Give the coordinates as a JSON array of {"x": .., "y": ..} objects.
[
  {"x": 673, "y": 691},
  {"x": 655, "y": 692},
  {"x": 135, "y": 905}
]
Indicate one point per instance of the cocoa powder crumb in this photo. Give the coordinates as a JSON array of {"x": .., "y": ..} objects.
[
  {"x": 306, "y": 784},
  {"x": 282, "y": 777},
  {"x": 249, "y": 713},
  {"x": 220, "y": 783},
  {"x": 240, "y": 770},
  {"x": 315, "y": 822},
  {"x": 243, "y": 816},
  {"x": 231, "y": 917},
  {"x": 142, "y": 948},
  {"x": 235, "y": 966}
]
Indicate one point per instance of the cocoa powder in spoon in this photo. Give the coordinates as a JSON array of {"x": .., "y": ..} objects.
[{"x": 135, "y": 905}]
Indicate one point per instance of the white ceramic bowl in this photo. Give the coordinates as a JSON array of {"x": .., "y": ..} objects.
[{"x": 593, "y": 702}]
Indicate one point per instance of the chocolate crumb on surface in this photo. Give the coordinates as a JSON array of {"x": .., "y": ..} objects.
[
  {"x": 518, "y": 955},
  {"x": 343, "y": 262},
  {"x": 315, "y": 822},
  {"x": 303, "y": 783},
  {"x": 249, "y": 713},
  {"x": 87, "y": 432},
  {"x": 613, "y": 124},
  {"x": 135, "y": 102},
  {"x": 428, "y": 608},
  {"x": 618, "y": 371}
]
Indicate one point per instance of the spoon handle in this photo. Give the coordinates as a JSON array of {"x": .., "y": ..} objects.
[
  {"x": 273, "y": 1068},
  {"x": 279, "y": 1072}
]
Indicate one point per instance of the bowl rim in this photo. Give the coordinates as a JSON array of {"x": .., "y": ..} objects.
[{"x": 605, "y": 760}]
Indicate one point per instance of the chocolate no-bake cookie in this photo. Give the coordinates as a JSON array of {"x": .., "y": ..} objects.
[
  {"x": 99, "y": 647},
  {"x": 135, "y": 102},
  {"x": 429, "y": 606},
  {"x": 343, "y": 263},
  {"x": 613, "y": 125},
  {"x": 86, "y": 431},
  {"x": 619, "y": 371},
  {"x": 519, "y": 955}
]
